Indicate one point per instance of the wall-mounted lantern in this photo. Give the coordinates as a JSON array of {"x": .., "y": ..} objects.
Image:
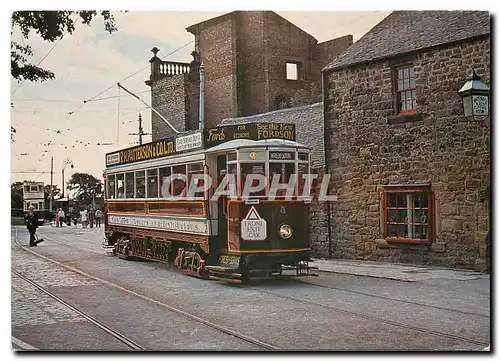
[{"x": 475, "y": 96}]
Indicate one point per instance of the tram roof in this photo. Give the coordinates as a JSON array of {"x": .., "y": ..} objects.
[{"x": 247, "y": 143}]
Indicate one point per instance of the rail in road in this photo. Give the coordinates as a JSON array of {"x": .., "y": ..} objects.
[
  {"x": 379, "y": 319},
  {"x": 122, "y": 338},
  {"x": 119, "y": 336},
  {"x": 267, "y": 346}
]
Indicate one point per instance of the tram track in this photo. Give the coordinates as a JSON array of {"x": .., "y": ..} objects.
[
  {"x": 298, "y": 300},
  {"x": 223, "y": 329},
  {"x": 393, "y": 299},
  {"x": 376, "y": 319},
  {"x": 120, "y": 337}
]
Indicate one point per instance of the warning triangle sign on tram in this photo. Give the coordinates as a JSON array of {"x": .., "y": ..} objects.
[{"x": 252, "y": 214}]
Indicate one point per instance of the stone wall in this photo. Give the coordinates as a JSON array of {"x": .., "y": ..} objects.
[
  {"x": 308, "y": 122},
  {"x": 444, "y": 149}
]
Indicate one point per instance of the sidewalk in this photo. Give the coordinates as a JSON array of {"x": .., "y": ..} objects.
[{"x": 394, "y": 271}]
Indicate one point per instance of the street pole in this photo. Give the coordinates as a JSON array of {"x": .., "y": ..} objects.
[
  {"x": 140, "y": 129},
  {"x": 51, "y": 182},
  {"x": 62, "y": 183}
]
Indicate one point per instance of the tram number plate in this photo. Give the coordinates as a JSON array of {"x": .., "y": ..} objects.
[{"x": 224, "y": 259}]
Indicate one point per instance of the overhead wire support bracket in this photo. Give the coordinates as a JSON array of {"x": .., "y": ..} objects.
[{"x": 150, "y": 107}]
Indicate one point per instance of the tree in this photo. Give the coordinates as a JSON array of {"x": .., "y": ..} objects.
[
  {"x": 51, "y": 26},
  {"x": 46, "y": 193},
  {"x": 87, "y": 187},
  {"x": 16, "y": 195}
]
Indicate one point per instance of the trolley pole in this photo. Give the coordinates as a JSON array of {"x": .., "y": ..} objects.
[{"x": 51, "y": 183}]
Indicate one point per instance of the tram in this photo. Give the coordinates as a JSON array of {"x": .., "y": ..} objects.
[{"x": 206, "y": 202}]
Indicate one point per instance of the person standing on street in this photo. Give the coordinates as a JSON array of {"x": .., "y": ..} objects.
[
  {"x": 61, "y": 217},
  {"x": 91, "y": 217},
  {"x": 84, "y": 218},
  {"x": 98, "y": 218},
  {"x": 75, "y": 215},
  {"x": 31, "y": 221}
]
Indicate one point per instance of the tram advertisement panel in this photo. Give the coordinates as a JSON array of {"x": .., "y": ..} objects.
[{"x": 252, "y": 131}]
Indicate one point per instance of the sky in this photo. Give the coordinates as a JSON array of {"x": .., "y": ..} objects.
[{"x": 87, "y": 66}]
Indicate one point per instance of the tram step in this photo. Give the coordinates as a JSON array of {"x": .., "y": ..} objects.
[{"x": 225, "y": 268}]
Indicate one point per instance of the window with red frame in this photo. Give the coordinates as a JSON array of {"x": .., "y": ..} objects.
[
  {"x": 406, "y": 90},
  {"x": 408, "y": 215}
]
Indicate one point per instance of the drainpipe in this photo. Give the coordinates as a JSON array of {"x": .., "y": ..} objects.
[
  {"x": 201, "y": 125},
  {"x": 326, "y": 138}
]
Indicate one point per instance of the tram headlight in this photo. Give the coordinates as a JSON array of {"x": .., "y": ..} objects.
[{"x": 285, "y": 231}]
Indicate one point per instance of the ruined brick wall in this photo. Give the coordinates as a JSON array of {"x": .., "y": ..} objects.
[
  {"x": 252, "y": 64},
  {"x": 168, "y": 97},
  {"x": 329, "y": 50},
  {"x": 286, "y": 42},
  {"x": 442, "y": 149},
  {"x": 308, "y": 122},
  {"x": 217, "y": 47}
]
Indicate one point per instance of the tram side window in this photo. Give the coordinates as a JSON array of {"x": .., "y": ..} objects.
[
  {"x": 140, "y": 184},
  {"x": 152, "y": 181},
  {"x": 179, "y": 185},
  {"x": 248, "y": 169},
  {"x": 111, "y": 186},
  {"x": 120, "y": 184},
  {"x": 129, "y": 185},
  {"x": 164, "y": 174},
  {"x": 195, "y": 168},
  {"x": 284, "y": 170}
]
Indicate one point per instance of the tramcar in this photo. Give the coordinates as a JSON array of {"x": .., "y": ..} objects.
[{"x": 206, "y": 202}]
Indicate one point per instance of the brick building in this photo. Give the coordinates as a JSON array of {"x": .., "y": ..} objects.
[
  {"x": 255, "y": 62},
  {"x": 410, "y": 171}
]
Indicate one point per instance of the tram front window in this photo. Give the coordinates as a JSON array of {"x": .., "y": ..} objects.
[
  {"x": 248, "y": 173},
  {"x": 282, "y": 172}
]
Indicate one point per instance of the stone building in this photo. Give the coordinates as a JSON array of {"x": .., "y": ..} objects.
[
  {"x": 410, "y": 171},
  {"x": 255, "y": 62}
]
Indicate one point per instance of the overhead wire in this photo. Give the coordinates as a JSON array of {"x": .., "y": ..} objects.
[{"x": 127, "y": 77}]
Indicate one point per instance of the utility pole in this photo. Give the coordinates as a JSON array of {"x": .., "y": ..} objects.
[
  {"x": 141, "y": 131},
  {"x": 51, "y": 180}
]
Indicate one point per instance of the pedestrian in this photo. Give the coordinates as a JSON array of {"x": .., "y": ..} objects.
[
  {"x": 57, "y": 218},
  {"x": 31, "y": 221},
  {"x": 61, "y": 217},
  {"x": 84, "y": 218},
  {"x": 75, "y": 215},
  {"x": 91, "y": 215},
  {"x": 98, "y": 218}
]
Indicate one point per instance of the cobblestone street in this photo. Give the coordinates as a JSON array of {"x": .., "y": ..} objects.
[{"x": 360, "y": 313}]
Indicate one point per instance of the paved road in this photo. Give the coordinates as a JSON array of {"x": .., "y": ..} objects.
[{"x": 331, "y": 312}]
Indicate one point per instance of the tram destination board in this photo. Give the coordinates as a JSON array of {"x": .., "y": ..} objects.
[{"x": 251, "y": 131}]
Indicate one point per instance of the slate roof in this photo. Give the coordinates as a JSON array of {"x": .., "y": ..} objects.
[{"x": 405, "y": 31}]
